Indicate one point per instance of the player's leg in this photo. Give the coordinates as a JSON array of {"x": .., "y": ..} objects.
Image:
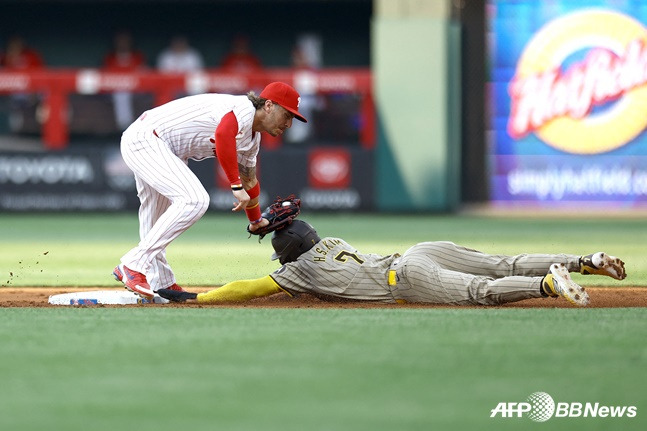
[
  {"x": 164, "y": 276},
  {"x": 152, "y": 206},
  {"x": 489, "y": 291},
  {"x": 462, "y": 259},
  {"x": 156, "y": 166},
  {"x": 458, "y": 258},
  {"x": 601, "y": 263},
  {"x": 423, "y": 280},
  {"x": 560, "y": 283}
]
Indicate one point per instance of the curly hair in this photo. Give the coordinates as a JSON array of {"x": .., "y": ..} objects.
[{"x": 257, "y": 101}]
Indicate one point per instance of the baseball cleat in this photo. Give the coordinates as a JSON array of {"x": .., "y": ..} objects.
[
  {"x": 559, "y": 283},
  {"x": 176, "y": 295},
  {"x": 601, "y": 263},
  {"x": 133, "y": 281},
  {"x": 176, "y": 288},
  {"x": 117, "y": 274}
]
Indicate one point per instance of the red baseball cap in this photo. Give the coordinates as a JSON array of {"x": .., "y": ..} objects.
[{"x": 284, "y": 95}]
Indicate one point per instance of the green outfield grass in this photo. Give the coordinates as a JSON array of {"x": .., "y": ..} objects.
[
  {"x": 327, "y": 369},
  {"x": 83, "y": 250},
  {"x": 253, "y": 369}
]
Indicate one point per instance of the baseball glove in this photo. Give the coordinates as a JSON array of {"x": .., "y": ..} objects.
[{"x": 279, "y": 214}]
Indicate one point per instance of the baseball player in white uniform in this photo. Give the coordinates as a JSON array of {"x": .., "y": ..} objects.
[
  {"x": 439, "y": 272},
  {"x": 157, "y": 147}
]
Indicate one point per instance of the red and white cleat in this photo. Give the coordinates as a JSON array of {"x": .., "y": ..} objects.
[{"x": 133, "y": 281}]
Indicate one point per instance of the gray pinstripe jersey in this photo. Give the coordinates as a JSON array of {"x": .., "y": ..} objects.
[
  {"x": 334, "y": 268},
  {"x": 438, "y": 272}
]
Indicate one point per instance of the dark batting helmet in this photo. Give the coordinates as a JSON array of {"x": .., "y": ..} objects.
[{"x": 292, "y": 241}]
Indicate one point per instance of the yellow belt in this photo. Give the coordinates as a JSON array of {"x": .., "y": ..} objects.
[{"x": 392, "y": 277}]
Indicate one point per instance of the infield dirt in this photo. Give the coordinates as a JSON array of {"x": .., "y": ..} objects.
[{"x": 601, "y": 297}]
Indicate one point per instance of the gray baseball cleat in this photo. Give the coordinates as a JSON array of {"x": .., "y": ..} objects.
[
  {"x": 559, "y": 283},
  {"x": 601, "y": 263}
]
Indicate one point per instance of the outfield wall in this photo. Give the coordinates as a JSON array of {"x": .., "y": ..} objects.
[
  {"x": 416, "y": 69},
  {"x": 96, "y": 179}
]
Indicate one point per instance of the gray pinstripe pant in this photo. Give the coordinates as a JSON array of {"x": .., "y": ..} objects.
[{"x": 445, "y": 273}]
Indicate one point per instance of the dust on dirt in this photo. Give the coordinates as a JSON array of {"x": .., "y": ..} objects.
[{"x": 601, "y": 297}]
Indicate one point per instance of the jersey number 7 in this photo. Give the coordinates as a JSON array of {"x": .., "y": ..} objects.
[{"x": 344, "y": 255}]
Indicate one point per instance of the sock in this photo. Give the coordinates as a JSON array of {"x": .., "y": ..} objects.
[{"x": 546, "y": 287}]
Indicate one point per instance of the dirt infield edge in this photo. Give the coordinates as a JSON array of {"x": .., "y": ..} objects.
[{"x": 601, "y": 297}]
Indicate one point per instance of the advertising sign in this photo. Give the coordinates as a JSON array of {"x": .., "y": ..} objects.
[
  {"x": 97, "y": 179},
  {"x": 324, "y": 178},
  {"x": 71, "y": 181},
  {"x": 568, "y": 102}
]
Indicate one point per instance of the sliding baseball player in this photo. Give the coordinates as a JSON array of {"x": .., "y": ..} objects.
[{"x": 438, "y": 272}]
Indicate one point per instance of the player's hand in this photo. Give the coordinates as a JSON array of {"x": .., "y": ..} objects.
[
  {"x": 242, "y": 199},
  {"x": 253, "y": 227},
  {"x": 276, "y": 216}
]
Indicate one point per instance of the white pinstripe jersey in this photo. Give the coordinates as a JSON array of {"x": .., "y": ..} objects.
[
  {"x": 333, "y": 268},
  {"x": 188, "y": 125}
]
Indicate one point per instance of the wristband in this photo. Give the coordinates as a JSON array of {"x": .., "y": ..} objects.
[
  {"x": 254, "y": 213},
  {"x": 254, "y": 191}
]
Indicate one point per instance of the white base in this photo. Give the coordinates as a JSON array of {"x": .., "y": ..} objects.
[{"x": 106, "y": 297}]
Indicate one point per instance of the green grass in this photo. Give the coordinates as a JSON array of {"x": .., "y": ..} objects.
[
  {"x": 329, "y": 369},
  {"x": 307, "y": 369},
  {"x": 83, "y": 249}
]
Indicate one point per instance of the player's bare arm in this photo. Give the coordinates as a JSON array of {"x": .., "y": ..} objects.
[
  {"x": 247, "y": 176},
  {"x": 248, "y": 180}
]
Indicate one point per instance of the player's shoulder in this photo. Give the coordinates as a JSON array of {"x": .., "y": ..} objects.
[
  {"x": 244, "y": 110},
  {"x": 216, "y": 98},
  {"x": 288, "y": 269},
  {"x": 334, "y": 239},
  {"x": 331, "y": 242},
  {"x": 242, "y": 102},
  {"x": 326, "y": 247}
]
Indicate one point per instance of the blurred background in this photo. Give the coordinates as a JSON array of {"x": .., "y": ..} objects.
[{"x": 415, "y": 106}]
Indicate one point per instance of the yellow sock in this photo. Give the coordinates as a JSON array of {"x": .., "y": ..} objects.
[{"x": 548, "y": 285}]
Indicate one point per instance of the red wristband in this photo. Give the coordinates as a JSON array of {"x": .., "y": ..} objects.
[
  {"x": 255, "y": 191},
  {"x": 253, "y": 213}
]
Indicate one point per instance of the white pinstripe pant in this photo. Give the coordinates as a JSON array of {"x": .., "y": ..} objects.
[
  {"x": 172, "y": 200},
  {"x": 445, "y": 273}
]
